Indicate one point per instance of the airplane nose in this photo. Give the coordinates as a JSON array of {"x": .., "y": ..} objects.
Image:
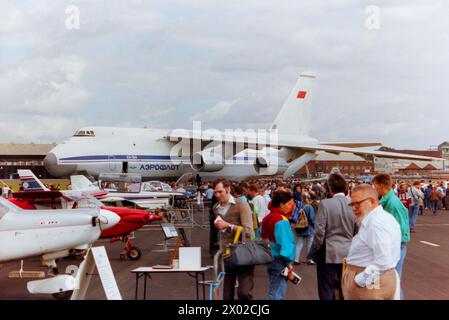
[
  {"x": 58, "y": 170},
  {"x": 108, "y": 219}
]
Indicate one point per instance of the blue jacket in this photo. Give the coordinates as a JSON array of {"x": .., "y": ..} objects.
[
  {"x": 276, "y": 228},
  {"x": 310, "y": 213}
]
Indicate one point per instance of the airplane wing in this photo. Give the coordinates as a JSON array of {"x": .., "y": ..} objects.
[
  {"x": 51, "y": 194},
  {"x": 84, "y": 194},
  {"x": 301, "y": 151},
  {"x": 290, "y": 142},
  {"x": 362, "y": 152},
  {"x": 353, "y": 144}
]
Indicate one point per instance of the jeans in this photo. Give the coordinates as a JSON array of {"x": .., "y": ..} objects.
[
  {"x": 434, "y": 206},
  {"x": 400, "y": 264},
  {"x": 300, "y": 242},
  {"x": 427, "y": 203},
  {"x": 278, "y": 283},
  {"x": 413, "y": 214}
]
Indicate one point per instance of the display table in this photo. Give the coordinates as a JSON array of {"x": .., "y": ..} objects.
[{"x": 146, "y": 272}]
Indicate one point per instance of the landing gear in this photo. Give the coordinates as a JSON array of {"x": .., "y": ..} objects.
[
  {"x": 134, "y": 253},
  {"x": 129, "y": 251}
]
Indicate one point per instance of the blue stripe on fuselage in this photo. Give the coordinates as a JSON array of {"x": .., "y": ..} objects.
[{"x": 112, "y": 158}]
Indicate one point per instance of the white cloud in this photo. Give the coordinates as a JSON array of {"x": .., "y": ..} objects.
[
  {"x": 46, "y": 87},
  {"x": 26, "y": 128},
  {"x": 217, "y": 112},
  {"x": 160, "y": 62}
]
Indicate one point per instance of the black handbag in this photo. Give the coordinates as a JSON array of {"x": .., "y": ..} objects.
[{"x": 249, "y": 253}]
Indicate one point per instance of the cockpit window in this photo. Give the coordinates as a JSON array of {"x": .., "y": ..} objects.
[{"x": 84, "y": 133}]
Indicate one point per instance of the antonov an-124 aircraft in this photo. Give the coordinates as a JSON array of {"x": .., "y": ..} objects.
[{"x": 170, "y": 154}]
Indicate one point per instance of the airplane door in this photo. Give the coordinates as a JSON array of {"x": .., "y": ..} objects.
[
  {"x": 125, "y": 167},
  {"x": 112, "y": 163}
]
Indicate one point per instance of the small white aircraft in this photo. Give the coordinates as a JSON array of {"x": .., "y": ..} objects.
[
  {"x": 48, "y": 233},
  {"x": 146, "y": 195},
  {"x": 30, "y": 182},
  {"x": 165, "y": 154},
  {"x": 51, "y": 234}
]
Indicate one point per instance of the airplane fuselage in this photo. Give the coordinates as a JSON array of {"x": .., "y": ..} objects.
[
  {"x": 134, "y": 150},
  {"x": 24, "y": 234}
]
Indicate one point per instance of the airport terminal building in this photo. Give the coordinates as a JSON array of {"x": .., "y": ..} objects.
[{"x": 14, "y": 156}]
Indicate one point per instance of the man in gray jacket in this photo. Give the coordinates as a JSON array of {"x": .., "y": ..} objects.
[{"x": 334, "y": 228}]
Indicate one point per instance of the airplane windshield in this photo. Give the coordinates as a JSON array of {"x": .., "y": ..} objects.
[
  {"x": 156, "y": 186},
  {"x": 120, "y": 186},
  {"x": 84, "y": 133},
  {"x": 89, "y": 203}
]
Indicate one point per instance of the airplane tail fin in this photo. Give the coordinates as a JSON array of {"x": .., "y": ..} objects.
[
  {"x": 30, "y": 182},
  {"x": 294, "y": 117},
  {"x": 81, "y": 183}
]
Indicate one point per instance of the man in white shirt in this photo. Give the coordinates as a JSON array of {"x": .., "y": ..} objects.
[
  {"x": 209, "y": 192},
  {"x": 375, "y": 250},
  {"x": 260, "y": 205}
]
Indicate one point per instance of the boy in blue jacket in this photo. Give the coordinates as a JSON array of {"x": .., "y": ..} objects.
[{"x": 276, "y": 228}]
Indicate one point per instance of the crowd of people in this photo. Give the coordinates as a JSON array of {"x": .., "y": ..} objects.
[{"x": 355, "y": 233}]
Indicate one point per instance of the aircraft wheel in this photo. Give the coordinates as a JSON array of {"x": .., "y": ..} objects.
[
  {"x": 134, "y": 253},
  {"x": 64, "y": 295}
]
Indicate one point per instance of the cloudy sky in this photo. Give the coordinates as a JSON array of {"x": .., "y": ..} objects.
[{"x": 228, "y": 63}]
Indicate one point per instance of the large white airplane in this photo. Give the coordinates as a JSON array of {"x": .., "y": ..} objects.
[{"x": 169, "y": 154}]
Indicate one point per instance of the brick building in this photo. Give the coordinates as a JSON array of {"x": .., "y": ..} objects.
[
  {"x": 348, "y": 165},
  {"x": 397, "y": 166},
  {"x": 14, "y": 156}
]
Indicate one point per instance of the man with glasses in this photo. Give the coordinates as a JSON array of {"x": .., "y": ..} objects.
[
  {"x": 375, "y": 251},
  {"x": 232, "y": 213},
  {"x": 334, "y": 229}
]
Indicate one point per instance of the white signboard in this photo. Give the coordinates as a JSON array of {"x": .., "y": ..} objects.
[
  {"x": 169, "y": 230},
  {"x": 190, "y": 258},
  {"x": 106, "y": 274}
]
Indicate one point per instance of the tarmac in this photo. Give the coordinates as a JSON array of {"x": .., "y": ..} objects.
[{"x": 425, "y": 275}]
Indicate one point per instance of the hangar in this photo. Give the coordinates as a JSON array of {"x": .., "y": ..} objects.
[{"x": 14, "y": 156}]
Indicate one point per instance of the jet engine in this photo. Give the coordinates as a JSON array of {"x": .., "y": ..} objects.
[
  {"x": 205, "y": 162},
  {"x": 268, "y": 166}
]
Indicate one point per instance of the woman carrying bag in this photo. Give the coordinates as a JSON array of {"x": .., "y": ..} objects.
[{"x": 304, "y": 231}]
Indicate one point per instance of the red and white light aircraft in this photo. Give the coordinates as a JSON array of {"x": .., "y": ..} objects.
[{"x": 41, "y": 197}]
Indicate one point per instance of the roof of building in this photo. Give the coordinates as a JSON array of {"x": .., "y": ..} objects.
[
  {"x": 429, "y": 166},
  {"x": 412, "y": 166},
  {"x": 25, "y": 149},
  {"x": 425, "y": 153}
]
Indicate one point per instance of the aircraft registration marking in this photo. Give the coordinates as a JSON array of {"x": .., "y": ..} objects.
[{"x": 159, "y": 167}]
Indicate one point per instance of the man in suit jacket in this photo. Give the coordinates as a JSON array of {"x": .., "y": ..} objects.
[{"x": 335, "y": 225}]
